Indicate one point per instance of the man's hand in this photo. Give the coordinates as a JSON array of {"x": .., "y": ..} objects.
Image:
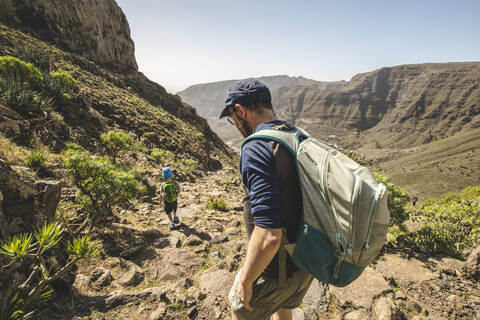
[{"x": 244, "y": 293}]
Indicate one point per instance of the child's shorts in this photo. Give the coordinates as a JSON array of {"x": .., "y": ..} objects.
[{"x": 170, "y": 206}]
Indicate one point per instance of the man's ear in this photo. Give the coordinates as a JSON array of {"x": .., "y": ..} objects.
[{"x": 241, "y": 111}]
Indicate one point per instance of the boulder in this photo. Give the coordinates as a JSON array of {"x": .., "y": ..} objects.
[
  {"x": 133, "y": 277},
  {"x": 471, "y": 267},
  {"x": 192, "y": 240},
  {"x": 361, "y": 292},
  {"x": 359, "y": 314},
  {"x": 400, "y": 268},
  {"x": 173, "y": 263},
  {"x": 26, "y": 202},
  {"x": 217, "y": 283},
  {"x": 385, "y": 309}
]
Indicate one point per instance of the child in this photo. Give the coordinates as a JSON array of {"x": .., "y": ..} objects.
[{"x": 169, "y": 194}]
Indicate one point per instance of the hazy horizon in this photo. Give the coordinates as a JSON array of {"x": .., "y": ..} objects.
[{"x": 182, "y": 43}]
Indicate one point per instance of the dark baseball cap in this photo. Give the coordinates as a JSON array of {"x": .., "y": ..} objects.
[{"x": 244, "y": 92}]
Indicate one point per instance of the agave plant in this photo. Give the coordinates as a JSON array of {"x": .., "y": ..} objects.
[
  {"x": 18, "y": 246},
  {"x": 33, "y": 291},
  {"x": 48, "y": 236}
]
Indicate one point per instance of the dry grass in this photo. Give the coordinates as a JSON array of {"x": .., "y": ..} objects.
[{"x": 12, "y": 153}]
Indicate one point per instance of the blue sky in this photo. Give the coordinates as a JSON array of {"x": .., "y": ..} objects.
[{"x": 179, "y": 43}]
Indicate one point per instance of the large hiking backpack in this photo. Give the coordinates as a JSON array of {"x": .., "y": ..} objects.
[
  {"x": 345, "y": 215},
  {"x": 169, "y": 191}
]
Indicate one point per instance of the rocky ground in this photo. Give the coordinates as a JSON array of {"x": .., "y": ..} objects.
[{"x": 146, "y": 271}]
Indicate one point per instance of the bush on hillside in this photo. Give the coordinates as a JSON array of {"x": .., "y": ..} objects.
[
  {"x": 161, "y": 156},
  {"x": 32, "y": 250},
  {"x": 116, "y": 141},
  {"x": 36, "y": 159},
  {"x": 189, "y": 165},
  {"x": 101, "y": 184},
  {"x": 397, "y": 200},
  {"x": 38, "y": 56},
  {"x": 23, "y": 72},
  {"x": 450, "y": 223},
  {"x": 60, "y": 86},
  {"x": 216, "y": 203}
]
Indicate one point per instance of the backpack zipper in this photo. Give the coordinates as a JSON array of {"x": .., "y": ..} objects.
[{"x": 380, "y": 191}]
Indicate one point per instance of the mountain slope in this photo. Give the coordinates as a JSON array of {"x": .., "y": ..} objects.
[
  {"x": 106, "y": 102},
  {"x": 429, "y": 170},
  {"x": 401, "y": 105},
  {"x": 209, "y": 98}
]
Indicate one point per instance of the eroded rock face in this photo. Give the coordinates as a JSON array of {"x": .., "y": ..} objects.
[
  {"x": 95, "y": 29},
  {"x": 25, "y": 202}
]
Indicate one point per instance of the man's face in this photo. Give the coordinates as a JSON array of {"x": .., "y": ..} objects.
[{"x": 240, "y": 122}]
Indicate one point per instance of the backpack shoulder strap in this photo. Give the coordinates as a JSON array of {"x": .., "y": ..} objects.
[{"x": 289, "y": 139}]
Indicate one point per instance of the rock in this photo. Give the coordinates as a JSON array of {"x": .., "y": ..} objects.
[
  {"x": 471, "y": 267},
  {"x": 186, "y": 213},
  {"x": 383, "y": 309},
  {"x": 152, "y": 234},
  {"x": 201, "y": 248},
  {"x": 316, "y": 297},
  {"x": 159, "y": 312},
  {"x": 192, "y": 312},
  {"x": 216, "y": 255},
  {"x": 399, "y": 268},
  {"x": 192, "y": 240},
  {"x": 298, "y": 314},
  {"x": 232, "y": 231},
  {"x": 219, "y": 238},
  {"x": 173, "y": 264},
  {"x": 413, "y": 306},
  {"x": 359, "y": 314},
  {"x": 133, "y": 277},
  {"x": 361, "y": 292},
  {"x": 217, "y": 283},
  {"x": 101, "y": 277},
  {"x": 97, "y": 30},
  {"x": 81, "y": 280},
  {"x": 26, "y": 202}
]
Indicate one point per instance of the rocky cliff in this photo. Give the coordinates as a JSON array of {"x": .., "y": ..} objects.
[
  {"x": 209, "y": 98},
  {"x": 95, "y": 29},
  {"x": 401, "y": 105}
]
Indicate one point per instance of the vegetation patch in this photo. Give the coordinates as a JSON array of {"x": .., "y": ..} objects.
[
  {"x": 23, "y": 299},
  {"x": 216, "y": 203}
]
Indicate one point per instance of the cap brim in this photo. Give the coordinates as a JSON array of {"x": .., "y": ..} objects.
[{"x": 225, "y": 113}]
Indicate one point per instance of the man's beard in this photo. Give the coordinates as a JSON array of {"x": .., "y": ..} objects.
[{"x": 243, "y": 127}]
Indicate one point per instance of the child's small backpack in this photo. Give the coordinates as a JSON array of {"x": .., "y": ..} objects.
[
  {"x": 169, "y": 191},
  {"x": 345, "y": 214}
]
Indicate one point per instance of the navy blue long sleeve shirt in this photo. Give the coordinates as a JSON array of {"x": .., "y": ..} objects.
[{"x": 259, "y": 176}]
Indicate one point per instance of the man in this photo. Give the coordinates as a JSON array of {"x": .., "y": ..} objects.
[{"x": 268, "y": 283}]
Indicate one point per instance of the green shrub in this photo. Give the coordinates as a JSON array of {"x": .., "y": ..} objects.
[
  {"x": 60, "y": 86},
  {"x": 19, "y": 84},
  {"x": 216, "y": 203},
  {"x": 32, "y": 250},
  {"x": 36, "y": 159},
  {"x": 189, "y": 166},
  {"x": 449, "y": 224},
  {"x": 161, "y": 156},
  {"x": 14, "y": 68},
  {"x": 397, "y": 199},
  {"x": 116, "y": 141},
  {"x": 101, "y": 184},
  {"x": 38, "y": 56}
]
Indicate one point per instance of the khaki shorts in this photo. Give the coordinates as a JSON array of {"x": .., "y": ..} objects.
[{"x": 268, "y": 297}]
